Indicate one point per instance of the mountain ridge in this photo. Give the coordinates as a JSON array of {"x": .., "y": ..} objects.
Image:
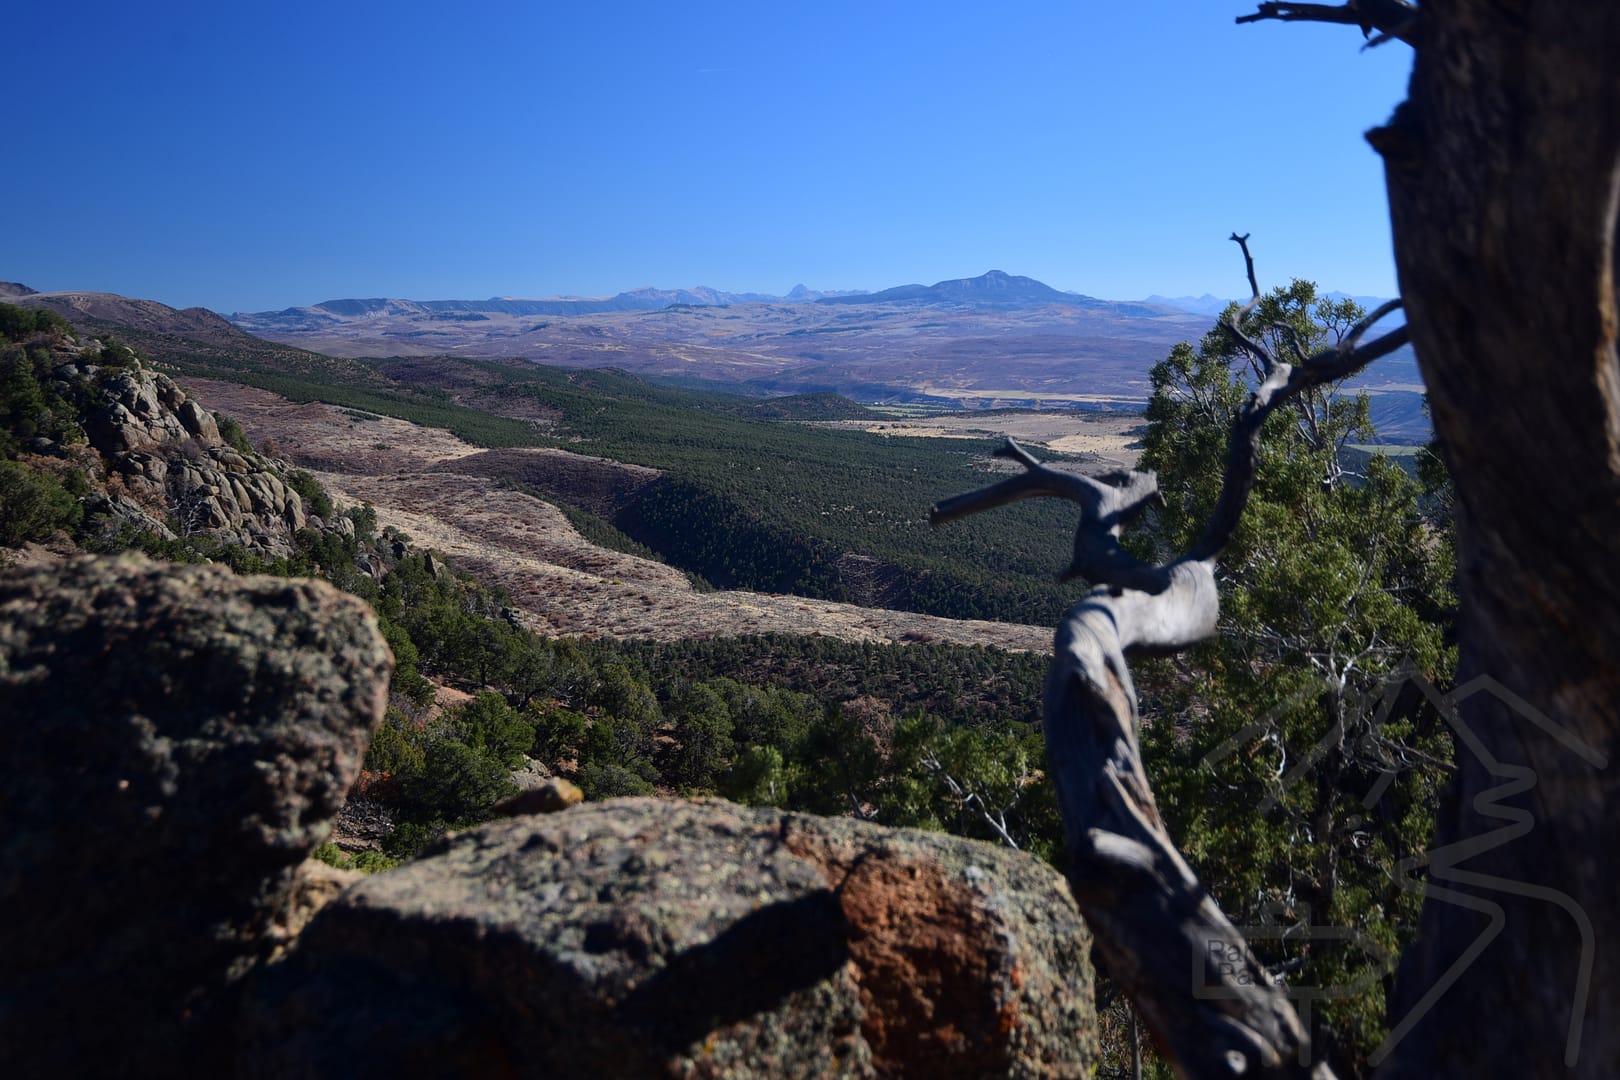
[
  {"x": 992, "y": 289},
  {"x": 645, "y": 298}
]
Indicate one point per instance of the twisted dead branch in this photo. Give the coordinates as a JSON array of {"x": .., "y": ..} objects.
[
  {"x": 1395, "y": 20},
  {"x": 1212, "y": 1007}
]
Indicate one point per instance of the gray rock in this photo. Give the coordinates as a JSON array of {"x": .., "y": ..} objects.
[
  {"x": 641, "y": 937},
  {"x": 531, "y": 774},
  {"x": 295, "y": 516},
  {"x": 199, "y": 423},
  {"x": 315, "y": 885},
  {"x": 154, "y": 468},
  {"x": 169, "y": 449},
  {"x": 241, "y": 496},
  {"x": 168, "y": 393},
  {"x": 124, "y": 508},
  {"x": 176, "y": 742},
  {"x": 215, "y": 516},
  {"x": 230, "y": 460}
]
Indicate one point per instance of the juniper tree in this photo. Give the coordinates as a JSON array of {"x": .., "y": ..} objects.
[{"x": 1293, "y": 759}]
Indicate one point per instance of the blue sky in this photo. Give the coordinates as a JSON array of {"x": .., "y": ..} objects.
[{"x": 247, "y": 156}]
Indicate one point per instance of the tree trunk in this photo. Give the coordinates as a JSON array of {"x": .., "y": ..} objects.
[{"x": 1503, "y": 173}]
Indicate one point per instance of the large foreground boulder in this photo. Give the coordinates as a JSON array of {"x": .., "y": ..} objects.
[
  {"x": 641, "y": 937},
  {"x": 176, "y": 741}
]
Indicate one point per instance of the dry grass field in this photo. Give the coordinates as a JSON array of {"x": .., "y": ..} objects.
[{"x": 1109, "y": 438}]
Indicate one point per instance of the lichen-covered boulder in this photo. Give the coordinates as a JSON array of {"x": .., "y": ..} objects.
[
  {"x": 641, "y": 937},
  {"x": 176, "y": 741}
]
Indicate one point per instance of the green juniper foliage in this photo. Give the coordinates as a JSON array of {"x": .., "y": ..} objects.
[{"x": 1294, "y": 759}]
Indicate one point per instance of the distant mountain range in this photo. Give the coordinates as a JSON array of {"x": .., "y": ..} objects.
[
  {"x": 647, "y": 299},
  {"x": 330, "y": 312},
  {"x": 1198, "y": 305},
  {"x": 995, "y": 289},
  {"x": 994, "y": 340}
]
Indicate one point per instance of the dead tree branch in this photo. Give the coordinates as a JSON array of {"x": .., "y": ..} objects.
[
  {"x": 1109, "y": 502},
  {"x": 1393, "y": 19},
  {"x": 1280, "y": 381},
  {"x": 971, "y": 800},
  {"x": 1212, "y": 1006}
]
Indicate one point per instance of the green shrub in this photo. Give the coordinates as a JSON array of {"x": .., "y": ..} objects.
[
  {"x": 364, "y": 517},
  {"x": 408, "y": 679},
  {"x": 756, "y": 778},
  {"x": 19, "y": 323},
  {"x": 116, "y": 355},
  {"x": 458, "y": 783},
  {"x": 367, "y": 862},
  {"x": 309, "y": 489},
  {"x": 703, "y": 733},
  {"x": 410, "y": 837},
  {"x": 558, "y": 732},
  {"x": 606, "y": 780},
  {"x": 372, "y": 862},
  {"x": 232, "y": 433},
  {"x": 396, "y": 749},
  {"x": 489, "y": 724},
  {"x": 33, "y": 505}
]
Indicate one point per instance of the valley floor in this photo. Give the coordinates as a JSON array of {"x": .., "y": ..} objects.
[
  {"x": 559, "y": 582},
  {"x": 1108, "y": 438}
]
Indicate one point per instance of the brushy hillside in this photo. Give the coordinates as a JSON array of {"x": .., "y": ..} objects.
[
  {"x": 779, "y": 507},
  {"x": 895, "y": 734},
  {"x": 748, "y": 498}
]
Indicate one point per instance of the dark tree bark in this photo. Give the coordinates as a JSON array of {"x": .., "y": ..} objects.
[
  {"x": 1504, "y": 183},
  {"x": 1503, "y": 171}
]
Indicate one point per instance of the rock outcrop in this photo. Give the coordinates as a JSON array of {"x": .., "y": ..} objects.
[
  {"x": 159, "y": 463},
  {"x": 641, "y": 937},
  {"x": 167, "y": 450},
  {"x": 176, "y": 742}
]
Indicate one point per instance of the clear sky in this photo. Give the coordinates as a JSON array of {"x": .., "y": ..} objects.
[{"x": 246, "y": 155}]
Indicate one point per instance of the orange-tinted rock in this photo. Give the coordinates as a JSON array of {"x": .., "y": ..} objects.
[{"x": 643, "y": 937}]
